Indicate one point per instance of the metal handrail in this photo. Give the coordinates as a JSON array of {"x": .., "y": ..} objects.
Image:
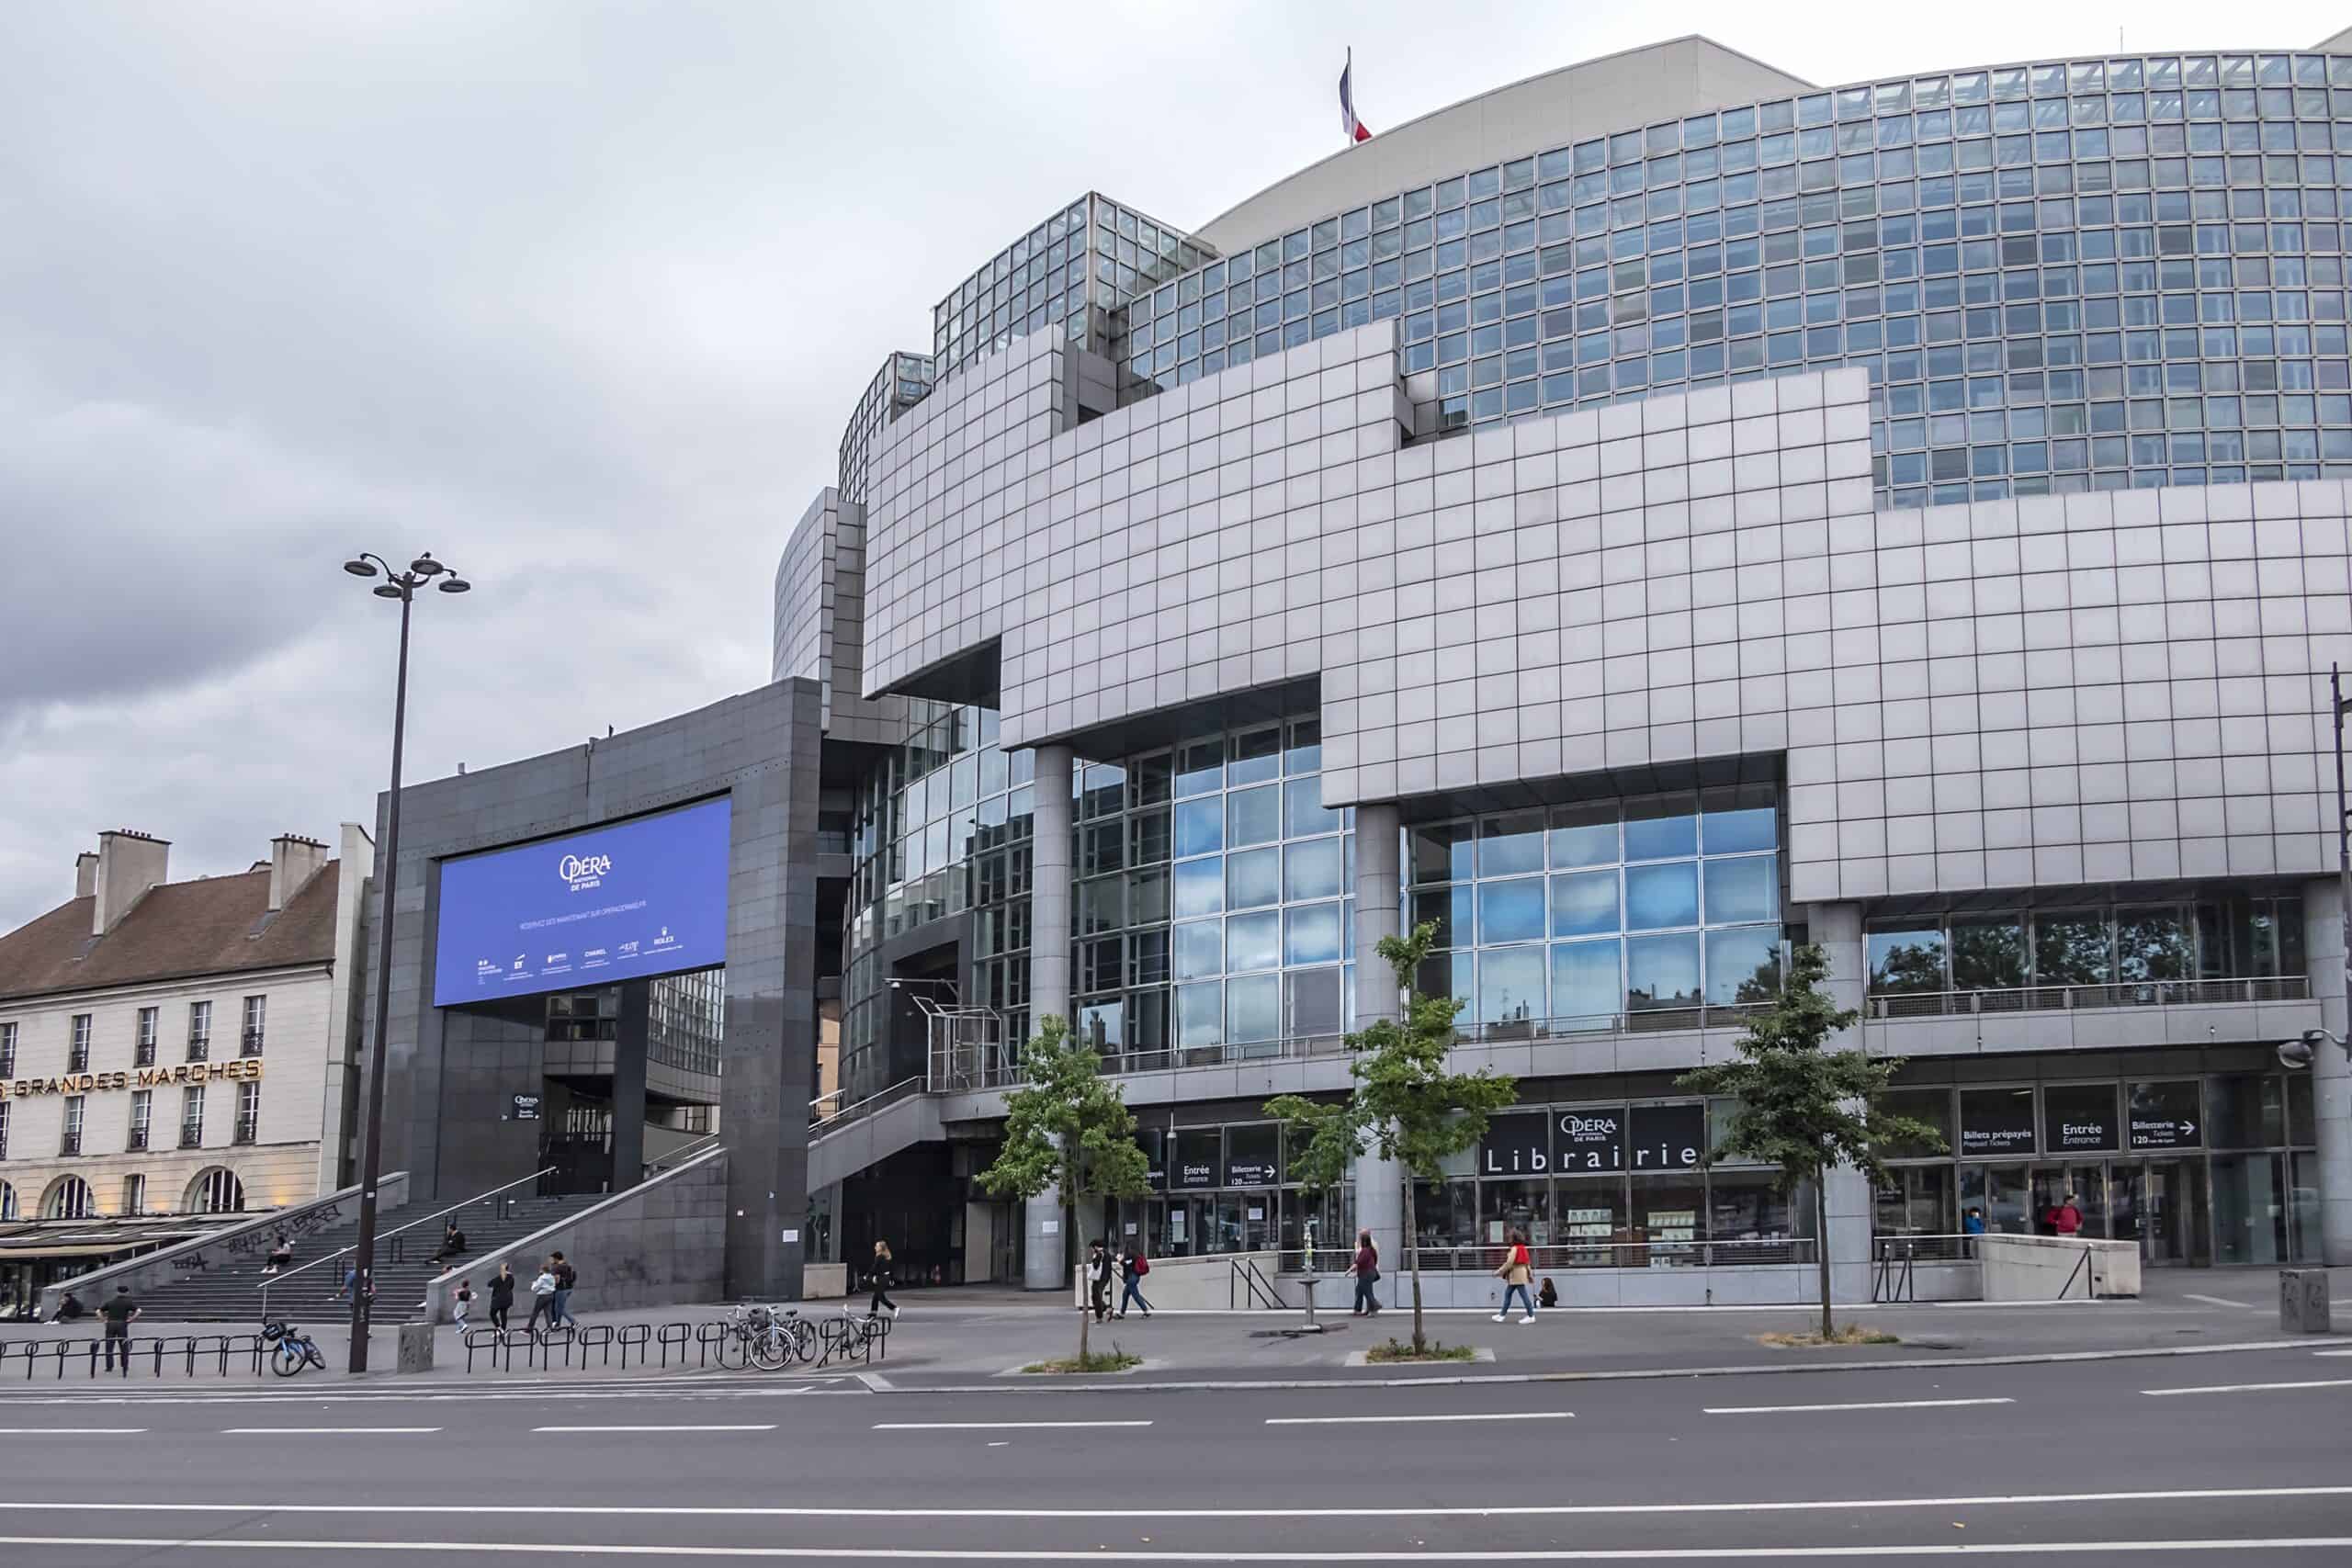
[
  {"x": 362, "y": 1284},
  {"x": 682, "y": 1153},
  {"x": 2100, "y": 994},
  {"x": 1694, "y": 1252},
  {"x": 903, "y": 1090}
]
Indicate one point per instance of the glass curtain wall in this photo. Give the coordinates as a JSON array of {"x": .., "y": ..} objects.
[
  {"x": 2063, "y": 276},
  {"x": 2218, "y": 934},
  {"x": 1564, "y": 920}
]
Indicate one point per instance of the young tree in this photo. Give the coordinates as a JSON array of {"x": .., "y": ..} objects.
[
  {"x": 1405, "y": 1105},
  {"x": 1803, "y": 1109},
  {"x": 1066, "y": 1127}
]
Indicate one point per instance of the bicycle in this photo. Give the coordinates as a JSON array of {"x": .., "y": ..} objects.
[
  {"x": 295, "y": 1350},
  {"x": 772, "y": 1335}
]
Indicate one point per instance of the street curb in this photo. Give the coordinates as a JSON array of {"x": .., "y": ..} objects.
[{"x": 1627, "y": 1375}]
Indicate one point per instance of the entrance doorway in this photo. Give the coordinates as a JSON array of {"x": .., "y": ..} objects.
[{"x": 2160, "y": 1204}]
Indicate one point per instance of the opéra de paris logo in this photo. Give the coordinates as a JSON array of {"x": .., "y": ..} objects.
[{"x": 580, "y": 873}]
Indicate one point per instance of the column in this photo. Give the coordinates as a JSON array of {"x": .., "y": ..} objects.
[
  {"x": 2323, "y": 932},
  {"x": 630, "y": 1032},
  {"x": 1044, "y": 1250},
  {"x": 1380, "y": 1197},
  {"x": 1838, "y": 929}
]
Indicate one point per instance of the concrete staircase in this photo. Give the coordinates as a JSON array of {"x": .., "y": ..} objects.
[{"x": 403, "y": 1264}]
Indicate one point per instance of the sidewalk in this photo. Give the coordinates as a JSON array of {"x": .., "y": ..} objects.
[{"x": 963, "y": 1337}]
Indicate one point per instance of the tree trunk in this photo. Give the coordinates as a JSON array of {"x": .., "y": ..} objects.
[
  {"x": 1073, "y": 1226},
  {"x": 1821, "y": 1246},
  {"x": 1406, "y": 1245}
]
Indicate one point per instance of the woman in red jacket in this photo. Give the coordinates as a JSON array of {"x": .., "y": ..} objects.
[{"x": 1366, "y": 1268}]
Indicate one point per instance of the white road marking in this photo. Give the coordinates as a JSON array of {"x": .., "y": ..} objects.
[
  {"x": 990, "y": 1426},
  {"x": 1030, "y": 1554},
  {"x": 1415, "y": 1511},
  {"x": 1858, "y": 1405},
  {"x": 68, "y": 1431},
  {"x": 2221, "y": 1302},
  {"x": 2332, "y": 1352},
  {"x": 326, "y": 1431},
  {"x": 768, "y": 1427},
  {"x": 2248, "y": 1387},
  {"x": 1373, "y": 1420}
]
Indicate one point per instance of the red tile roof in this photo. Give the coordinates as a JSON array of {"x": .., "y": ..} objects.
[{"x": 178, "y": 930}]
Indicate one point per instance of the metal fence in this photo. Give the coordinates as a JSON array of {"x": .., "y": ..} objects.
[
  {"x": 184, "y": 1353},
  {"x": 698, "y": 1345},
  {"x": 1652, "y": 1254},
  {"x": 2059, "y": 999}
]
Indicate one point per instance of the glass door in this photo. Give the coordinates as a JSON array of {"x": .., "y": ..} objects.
[
  {"x": 2172, "y": 1225},
  {"x": 2127, "y": 1185},
  {"x": 1998, "y": 1191}
]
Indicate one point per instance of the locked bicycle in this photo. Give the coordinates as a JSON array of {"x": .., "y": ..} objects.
[{"x": 773, "y": 1337}]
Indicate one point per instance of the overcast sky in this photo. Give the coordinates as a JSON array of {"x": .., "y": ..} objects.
[{"x": 579, "y": 296}]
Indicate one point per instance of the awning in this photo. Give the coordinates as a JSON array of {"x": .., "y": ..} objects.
[{"x": 35, "y": 1252}]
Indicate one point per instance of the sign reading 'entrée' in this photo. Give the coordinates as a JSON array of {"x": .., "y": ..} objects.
[{"x": 619, "y": 902}]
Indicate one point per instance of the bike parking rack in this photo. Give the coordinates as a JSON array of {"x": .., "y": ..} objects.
[
  {"x": 702, "y": 1344},
  {"x": 184, "y": 1351}
]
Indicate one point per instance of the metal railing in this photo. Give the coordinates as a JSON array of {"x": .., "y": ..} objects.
[
  {"x": 199, "y": 1047},
  {"x": 369, "y": 1284},
  {"x": 91, "y": 1357},
  {"x": 138, "y": 1139},
  {"x": 2059, "y": 999},
  {"x": 1247, "y": 1287},
  {"x": 1895, "y": 1258},
  {"x": 681, "y": 1155},
  {"x": 1693, "y": 1254},
  {"x": 249, "y": 1043},
  {"x": 828, "y": 1113},
  {"x": 69, "y": 1142},
  {"x": 841, "y": 1337}
]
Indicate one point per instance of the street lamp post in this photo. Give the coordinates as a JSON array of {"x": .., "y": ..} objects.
[{"x": 402, "y": 586}]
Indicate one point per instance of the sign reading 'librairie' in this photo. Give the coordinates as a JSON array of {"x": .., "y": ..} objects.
[
  {"x": 1646, "y": 1138},
  {"x": 242, "y": 1069}
]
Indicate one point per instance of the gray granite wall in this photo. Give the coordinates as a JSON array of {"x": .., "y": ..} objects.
[
  {"x": 664, "y": 1244},
  {"x": 451, "y": 1070}
]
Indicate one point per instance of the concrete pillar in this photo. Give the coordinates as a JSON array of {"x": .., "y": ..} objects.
[
  {"x": 1836, "y": 928},
  {"x": 2324, "y": 934},
  {"x": 1045, "y": 1252},
  {"x": 630, "y": 1031},
  {"x": 1380, "y": 1197}
]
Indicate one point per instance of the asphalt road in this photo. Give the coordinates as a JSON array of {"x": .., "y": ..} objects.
[{"x": 2236, "y": 1458}]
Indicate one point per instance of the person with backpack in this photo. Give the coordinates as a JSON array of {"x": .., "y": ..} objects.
[
  {"x": 1515, "y": 1272},
  {"x": 1133, "y": 1266},
  {"x": 1366, "y": 1268},
  {"x": 567, "y": 1279}
]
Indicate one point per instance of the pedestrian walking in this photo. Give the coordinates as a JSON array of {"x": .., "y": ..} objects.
[
  {"x": 879, "y": 1278},
  {"x": 1133, "y": 1266},
  {"x": 567, "y": 1279},
  {"x": 1097, "y": 1280},
  {"x": 542, "y": 1301},
  {"x": 1366, "y": 1268},
  {"x": 502, "y": 1296},
  {"x": 119, "y": 1313},
  {"x": 462, "y": 1304},
  {"x": 2066, "y": 1219},
  {"x": 1517, "y": 1269}
]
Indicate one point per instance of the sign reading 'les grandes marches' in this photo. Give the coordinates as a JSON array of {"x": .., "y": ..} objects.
[{"x": 242, "y": 1069}]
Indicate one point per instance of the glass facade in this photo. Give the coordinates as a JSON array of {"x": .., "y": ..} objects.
[
  {"x": 903, "y": 381},
  {"x": 2203, "y": 935},
  {"x": 1577, "y": 917},
  {"x": 1076, "y": 267},
  {"x": 2063, "y": 276},
  {"x": 2198, "y": 1166}
]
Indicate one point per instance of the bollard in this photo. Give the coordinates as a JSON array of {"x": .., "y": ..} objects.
[
  {"x": 416, "y": 1348},
  {"x": 2302, "y": 1300}
]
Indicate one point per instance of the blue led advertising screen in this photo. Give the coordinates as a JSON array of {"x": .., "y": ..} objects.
[{"x": 618, "y": 902}]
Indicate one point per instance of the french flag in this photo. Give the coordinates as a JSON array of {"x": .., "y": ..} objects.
[{"x": 1351, "y": 127}]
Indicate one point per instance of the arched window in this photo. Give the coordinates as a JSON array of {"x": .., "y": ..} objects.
[
  {"x": 215, "y": 1190},
  {"x": 7, "y": 1201},
  {"x": 68, "y": 1197}
]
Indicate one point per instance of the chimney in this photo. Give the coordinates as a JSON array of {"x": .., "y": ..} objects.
[
  {"x": 85, "y": 874},
  {"x": 293, "y": 861},
  {"x": 127, "y": 864}
]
